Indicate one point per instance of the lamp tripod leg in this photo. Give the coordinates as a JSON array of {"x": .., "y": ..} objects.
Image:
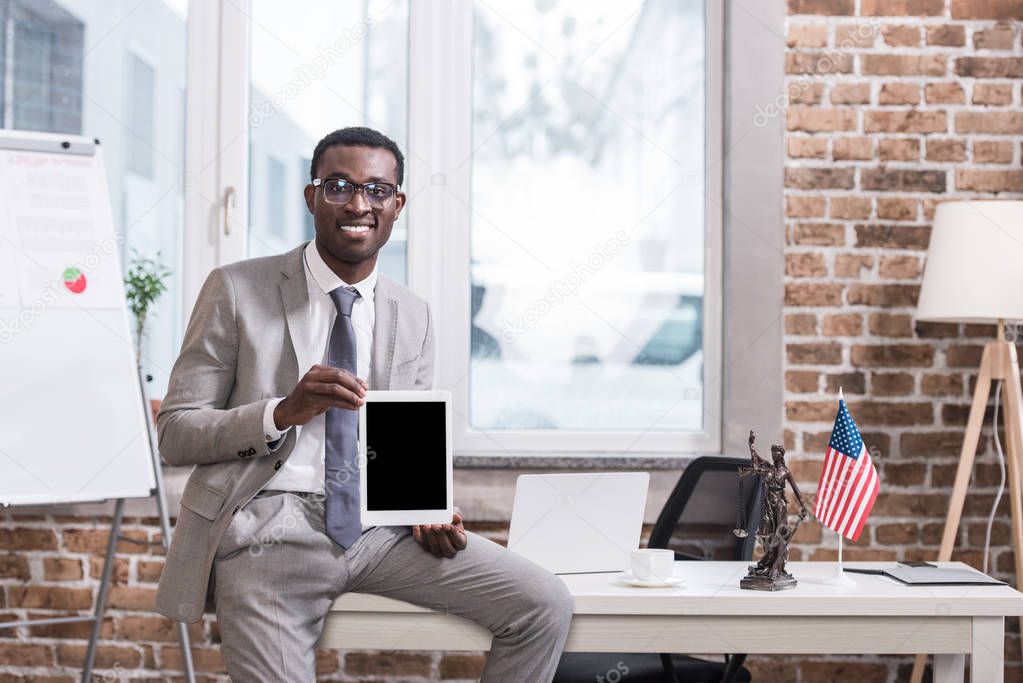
[
  {"x": 967, "y": 456},
  {"x": 1014, "y": 454}
]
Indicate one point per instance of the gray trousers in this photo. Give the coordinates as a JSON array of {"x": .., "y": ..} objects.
[{"x": 277, "y": 574}]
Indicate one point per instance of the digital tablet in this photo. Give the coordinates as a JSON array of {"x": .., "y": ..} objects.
[{"x": 405, "y": 457}]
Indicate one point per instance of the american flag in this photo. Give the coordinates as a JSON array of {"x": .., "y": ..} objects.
[{"x": 849, "y": 483}]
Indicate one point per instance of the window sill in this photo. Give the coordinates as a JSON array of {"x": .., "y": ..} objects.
[
  {"x": 484, "y": 489},
  {"x": 485, "y": 485},
  {"x": 562, "y": 461}
]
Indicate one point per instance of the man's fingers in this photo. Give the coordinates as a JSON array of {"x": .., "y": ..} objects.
[
  {"x": 332, "y": 375},
  {"x": 421, "y": 535},
  {"x": 447, "y": 549},
  {"x": 431, "y": 539},
  {"x": 457, "y": 534},
  {"x": 347, "y": 379},
  {"x": 457, "y": 538},
  {"x": 440, "y": 539},
  {"x": 440, "y": 544},
  {"x": 335, "y": 394}
]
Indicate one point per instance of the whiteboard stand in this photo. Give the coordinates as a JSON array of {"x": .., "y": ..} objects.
[
  {"x": 108, "y": 566},
  {"x": 33, "y": 149}
]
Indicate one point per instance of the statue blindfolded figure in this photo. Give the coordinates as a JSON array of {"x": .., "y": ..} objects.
[{"x": 774, "y": 531}]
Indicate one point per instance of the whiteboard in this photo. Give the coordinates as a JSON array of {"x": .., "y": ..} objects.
[{"x": 72, "y": 416}]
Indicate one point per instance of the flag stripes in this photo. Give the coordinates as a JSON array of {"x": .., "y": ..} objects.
[{"x": 849, "y": 483}]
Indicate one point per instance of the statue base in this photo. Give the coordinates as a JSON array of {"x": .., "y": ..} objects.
[{"x": 755, "y": 582}]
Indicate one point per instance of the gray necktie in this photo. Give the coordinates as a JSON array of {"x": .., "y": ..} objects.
[{"x": 341, "y": 463}]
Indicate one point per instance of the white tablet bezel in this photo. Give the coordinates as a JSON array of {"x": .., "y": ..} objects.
[{"x": 406, "y": 517}]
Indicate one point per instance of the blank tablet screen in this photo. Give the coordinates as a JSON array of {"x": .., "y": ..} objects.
[{"x": 406, "y": 455}]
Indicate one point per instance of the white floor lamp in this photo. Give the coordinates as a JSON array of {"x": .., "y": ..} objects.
[{"x": 974, "y": 274}]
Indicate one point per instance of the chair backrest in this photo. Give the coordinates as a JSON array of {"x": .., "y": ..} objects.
[{"x": 702, "y": 512}]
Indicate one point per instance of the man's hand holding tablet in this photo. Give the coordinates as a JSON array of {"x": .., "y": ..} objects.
[
  {"x": 412, "y": 489},
  {"x": 443, "y": 540},
  {"x": 322, "y": 387}
]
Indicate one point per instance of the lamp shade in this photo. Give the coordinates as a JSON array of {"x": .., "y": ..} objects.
[{"x": 974, "y": 270}]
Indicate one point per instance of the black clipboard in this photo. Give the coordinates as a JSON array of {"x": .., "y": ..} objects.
[{"x": 931, "y": 575}]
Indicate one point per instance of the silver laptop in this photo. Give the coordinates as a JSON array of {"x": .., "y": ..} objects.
[{"x": 577, "y": 523}]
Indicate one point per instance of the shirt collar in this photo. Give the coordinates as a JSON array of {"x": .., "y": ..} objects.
[{"x": 326, "y": 280}]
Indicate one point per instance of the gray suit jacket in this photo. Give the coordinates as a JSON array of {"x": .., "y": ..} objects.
[{"x": 248, "y": 341}]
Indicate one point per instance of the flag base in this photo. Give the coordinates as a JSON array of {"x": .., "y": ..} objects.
[{"x": 839, "y": 578}]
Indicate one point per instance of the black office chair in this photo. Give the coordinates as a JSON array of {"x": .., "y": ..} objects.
[{"x": 697, "y": 523}]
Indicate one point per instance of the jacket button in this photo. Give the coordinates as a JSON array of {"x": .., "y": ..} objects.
[
  {"x": 236, "y": 509},
  {"x": 252, "y": 451},
  {"x": 277, "y": 465}
]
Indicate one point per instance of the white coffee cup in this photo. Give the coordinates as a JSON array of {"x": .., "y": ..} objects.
[{"x": 653, "y": 564}]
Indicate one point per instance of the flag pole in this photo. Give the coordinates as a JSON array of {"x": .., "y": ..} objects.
[{"x": 840, "y": 578}]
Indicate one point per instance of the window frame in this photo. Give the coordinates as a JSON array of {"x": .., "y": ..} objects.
[
  {"x": 440, "y": 105},
  {"x": 138, "y": 53},
  {"x": 438, "y": 175}
]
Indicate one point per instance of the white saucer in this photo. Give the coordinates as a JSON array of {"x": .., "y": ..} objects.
[{"x": 627, "y": 577}]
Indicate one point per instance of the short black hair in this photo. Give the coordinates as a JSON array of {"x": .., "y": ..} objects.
[{"x": 358, "y": 136}]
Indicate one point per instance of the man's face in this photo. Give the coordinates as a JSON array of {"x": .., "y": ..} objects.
[{"x": 358, "y": 165}]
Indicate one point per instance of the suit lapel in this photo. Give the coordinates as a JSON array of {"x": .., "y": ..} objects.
[
  {"x": 385, "y": 332},
  {"x": 295, "y": 297}
]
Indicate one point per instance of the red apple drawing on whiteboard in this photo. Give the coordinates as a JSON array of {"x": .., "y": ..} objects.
[{"x": 74, "y": 280}]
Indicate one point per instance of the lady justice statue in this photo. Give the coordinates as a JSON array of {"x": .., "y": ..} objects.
[{"x": 774, "y": 531}]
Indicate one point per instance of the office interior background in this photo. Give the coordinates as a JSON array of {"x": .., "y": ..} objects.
[{"x": 646, "y": 228}]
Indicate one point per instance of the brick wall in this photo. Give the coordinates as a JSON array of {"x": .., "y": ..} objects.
[
  {"x": 893, "y": 107},
  {"x": 50, "y": 566}
]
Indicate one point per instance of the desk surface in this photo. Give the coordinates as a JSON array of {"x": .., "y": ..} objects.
[
  {"x": 710, "y": 613},
  {"x": 712, "y": 589}
]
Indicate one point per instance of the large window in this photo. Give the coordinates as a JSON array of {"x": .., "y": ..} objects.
[
  {"x": 316, "y": 67},
  {"x": 561, "y": 218},
  {"x": 573, "y": 169},
  {"x": 587, "y": 233},
  {"x": 112, "y": 70}
]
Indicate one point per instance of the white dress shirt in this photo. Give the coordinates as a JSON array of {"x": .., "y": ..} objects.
[{"x": 304, "y": 470}]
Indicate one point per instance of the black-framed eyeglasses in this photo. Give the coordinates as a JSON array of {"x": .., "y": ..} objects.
[{"x": 341, "y": 191}]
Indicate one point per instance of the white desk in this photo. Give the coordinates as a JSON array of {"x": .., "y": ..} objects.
[{"x": 710, "y": 614}]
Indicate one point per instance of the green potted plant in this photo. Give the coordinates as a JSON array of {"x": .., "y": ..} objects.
[{"x": 144, "y": 285}]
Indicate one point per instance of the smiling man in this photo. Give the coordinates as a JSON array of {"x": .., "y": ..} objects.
[{"x": 267, "y": 530}]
